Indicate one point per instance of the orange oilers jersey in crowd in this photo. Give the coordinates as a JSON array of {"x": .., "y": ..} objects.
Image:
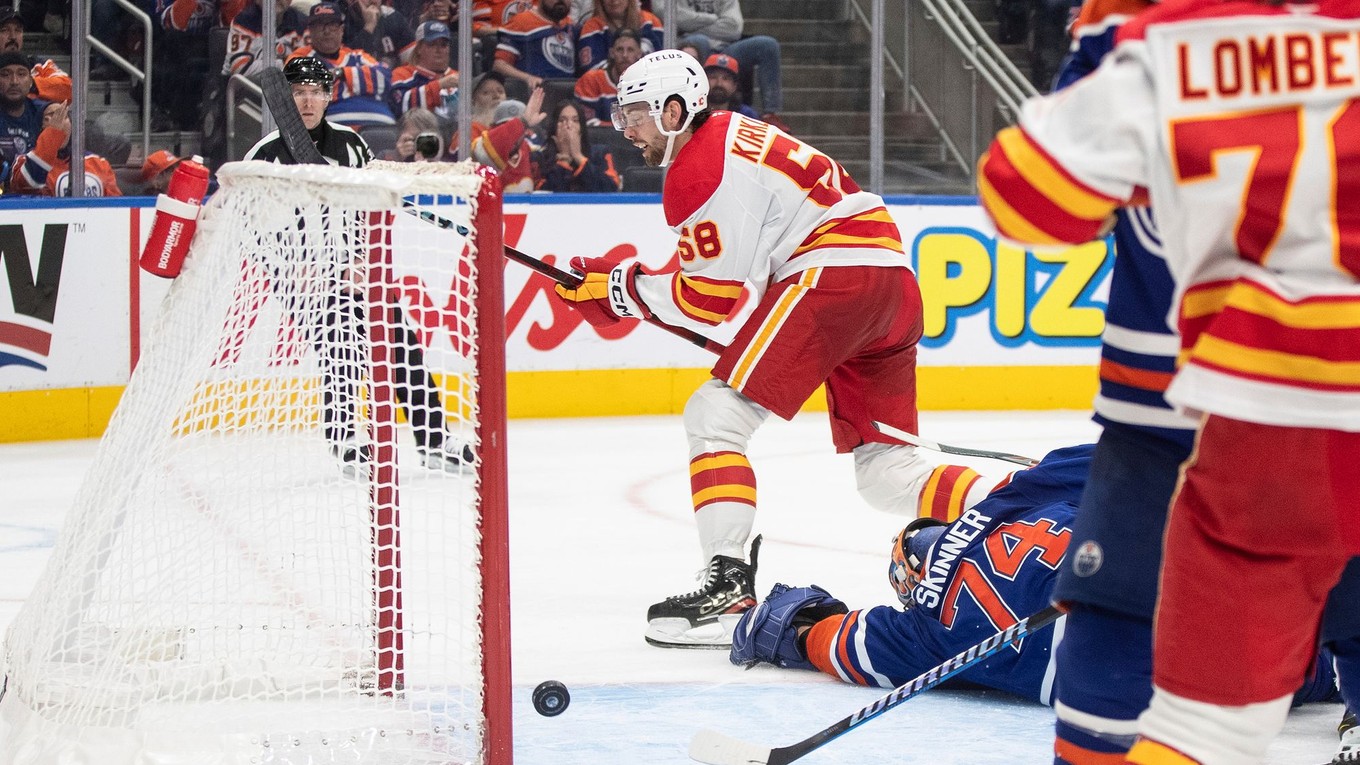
[
  {"x": 1240, "y": 120},
  {"x": 417, "y": 87},
  {"x": 592, "y": 47},
  {"x": 50, "y": 82},
  {"x": 598, "y": 93},
  {"x": 245, "y": 40},
  {"x": 494, "y": 14},
  {"x": 197, "y": 16},
  {"x": 533, "y": 44},
  {"x": 46, "y": 171},
  {"x": 753, "y": 204}
]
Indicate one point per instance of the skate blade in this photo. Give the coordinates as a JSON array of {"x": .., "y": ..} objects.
[{"x": 680, "y": 633}]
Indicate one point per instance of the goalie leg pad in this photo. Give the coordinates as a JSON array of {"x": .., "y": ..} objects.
[{"x": 769, "y": 632}]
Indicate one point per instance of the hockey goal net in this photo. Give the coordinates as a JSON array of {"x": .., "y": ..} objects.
[{"x": 291, "y": 545}]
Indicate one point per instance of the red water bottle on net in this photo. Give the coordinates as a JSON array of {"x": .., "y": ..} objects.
[{"x": 176, "y": 218}]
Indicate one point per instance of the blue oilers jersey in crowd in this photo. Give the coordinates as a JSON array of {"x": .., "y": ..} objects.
[
  {"x": 992, "y": 567},
  {"x": 1139, "y": 347}
]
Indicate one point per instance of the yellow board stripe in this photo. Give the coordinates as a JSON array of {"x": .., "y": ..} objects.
[
  {"x": 1289, "y": 366},
  {"x": 1009, "y": 223},
  {"x": 1040, "y": 173}
]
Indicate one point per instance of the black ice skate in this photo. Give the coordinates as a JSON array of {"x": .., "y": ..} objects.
[
  {"x": 355, "y": 458},
  {"x": 1350, "y": 740},
  {"x": 706, "y": 617}
]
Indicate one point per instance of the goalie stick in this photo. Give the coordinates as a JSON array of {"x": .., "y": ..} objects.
[
  {"x": 915, "y": 440},
  {"x": 718, "y": 749},
  {"x": 278, "y": 96}
]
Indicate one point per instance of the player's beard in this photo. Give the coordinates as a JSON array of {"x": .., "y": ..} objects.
[
  {"x": 653, "y": 154},
  {"x": 719, "y": 97}
]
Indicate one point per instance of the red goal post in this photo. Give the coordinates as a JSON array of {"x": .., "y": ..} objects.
[{"x": 228, "y": 585}]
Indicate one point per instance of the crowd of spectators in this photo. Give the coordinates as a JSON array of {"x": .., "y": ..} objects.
[{"x": 544, "y": 78}]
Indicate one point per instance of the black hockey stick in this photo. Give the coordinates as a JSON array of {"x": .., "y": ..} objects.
[
  {"x": 567, "y": 279},
  {"x": 278, "y": 96},
  {"x": 915, "y": 440},
  {"x": 718, "y": 749}
]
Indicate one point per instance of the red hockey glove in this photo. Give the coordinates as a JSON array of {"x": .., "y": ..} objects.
[{"x": 607, "y": 292}]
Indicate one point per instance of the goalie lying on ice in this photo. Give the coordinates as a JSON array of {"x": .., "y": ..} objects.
[{"x": 960, "y": 583}]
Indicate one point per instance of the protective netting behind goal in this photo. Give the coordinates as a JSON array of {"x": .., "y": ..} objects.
[{"x": 290, "y": 545}]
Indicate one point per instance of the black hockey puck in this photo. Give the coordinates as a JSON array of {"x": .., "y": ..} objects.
[{"x": 551, "y": 698}]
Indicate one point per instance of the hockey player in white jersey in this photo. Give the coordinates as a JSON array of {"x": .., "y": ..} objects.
[
  {"x": 837, "y": 304},
  {"x": 1236, "y": 120}
]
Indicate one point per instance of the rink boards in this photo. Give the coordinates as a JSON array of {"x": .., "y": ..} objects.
[{"x": 1004, "y": 328}]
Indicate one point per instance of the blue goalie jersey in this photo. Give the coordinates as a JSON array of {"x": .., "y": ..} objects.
[{"x": 992, "y": 567}]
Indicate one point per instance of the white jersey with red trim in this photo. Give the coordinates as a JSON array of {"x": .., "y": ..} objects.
[
  {"x": 753, "y": 204},
  {"x": 1242, "y": 122}
]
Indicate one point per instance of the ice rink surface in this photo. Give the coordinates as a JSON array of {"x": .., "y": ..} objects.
[{"x": 601, "y": 527}]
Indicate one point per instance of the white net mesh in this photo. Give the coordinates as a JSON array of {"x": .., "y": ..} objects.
[{"x": 274, "y": 557}]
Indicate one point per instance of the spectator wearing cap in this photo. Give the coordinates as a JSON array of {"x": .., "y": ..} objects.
[
  {"x": 50, "y": 83},
  {"x": 607, "y": 19},
  {"x": 245, "y": 41},
  {"x": 716, "y": 26},
  {"x": 506, "y": 145},
  {"x": 538, "y": 44},
  {"x": 21, "y": 117},
  {"x": 45, "y": 170},
  {"x": 724, "y": 85},
  {"x": 361, "y": 81},
  {"x": 427, "y": 82},
  {"x": 180, "y": 56},
  {"x": 567, "y": 161},
  {"x": 598, "y": 89},
  {"x": 156, "y": 171},
  {"x": 377, "y": 29}
]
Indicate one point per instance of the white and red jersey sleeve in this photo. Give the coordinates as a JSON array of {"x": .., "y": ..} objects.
[
  {"x": 1242, "y": 122},
  {"x": 754, "y": 205}
]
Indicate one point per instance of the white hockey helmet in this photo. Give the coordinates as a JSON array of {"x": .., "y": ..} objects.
[{"x": 658, "y": 76}]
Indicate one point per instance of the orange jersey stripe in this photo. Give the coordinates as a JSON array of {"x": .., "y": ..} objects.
[
  {"x": 1133, "y": 377},
  {"x": 819, "y": 641},
  {"x": 843, "y": 648},
  {"x": 1146, "y": 752},
  {"x": 1080, "y": 755}
]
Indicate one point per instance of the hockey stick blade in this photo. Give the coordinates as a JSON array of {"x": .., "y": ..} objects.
[
  {"x": 278, "y": 96},
  {"x": 717, "y": 749},
  {"x": 925, "y": 443}
]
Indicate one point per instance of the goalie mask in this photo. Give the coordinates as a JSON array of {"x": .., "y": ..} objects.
[
  {"x": 653, "y": 80},
  {"x": 910, "y": 554}
]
